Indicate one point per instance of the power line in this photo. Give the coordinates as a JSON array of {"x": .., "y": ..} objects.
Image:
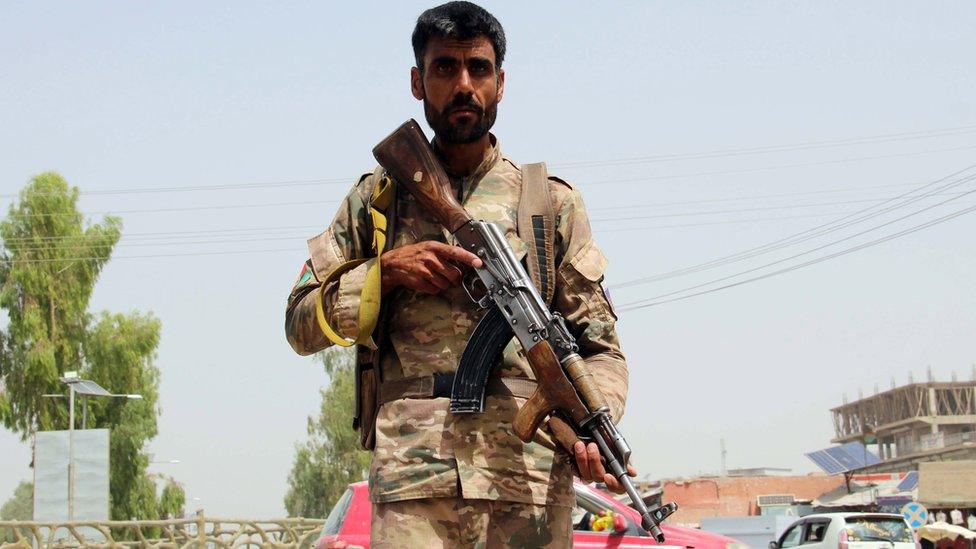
[
  {"x": 635, "y": 304},
  {"x": 743, "y": 210},
  {"x": 752, "y": 197},
  {"x": 708, "y": 224},
  {"x": 302, "y": 237},
  {"x": 189, "y": 254},
  {"x": 882, "y": 138},
  {"x": 302, "y": 203},
  {"x": 779, "y": 166},
  {"x": 772, "y": 148},
  {"x": 220, "y": 187},
  {"x": 627, "y": 307},
  {"x": 196, "y": 234},
  {"x": 233, "y": 239},
  {"x": 155, "y": 235},
  {"x": 180, "y": 209},
  {"x": 259, "y": 234},
  {"x": 808, "y": 234}
]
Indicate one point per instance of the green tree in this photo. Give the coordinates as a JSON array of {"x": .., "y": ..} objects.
[
  {"x": 48, "y": 270},
  {"x": 332, "y": 457},
  {"x": 20, "y": 506},
  {"x": 172, "y": 500},
  {"x": 119, "y": 350},
  {"x": 50, "y": 261}
]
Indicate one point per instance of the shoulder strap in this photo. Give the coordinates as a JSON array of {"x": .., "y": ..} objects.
[{"x": 536, "y": 227}]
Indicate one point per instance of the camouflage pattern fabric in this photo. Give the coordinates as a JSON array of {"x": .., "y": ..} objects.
[
  {"x": 421, "y": 450},
  {"x": 469, "y": 523}
]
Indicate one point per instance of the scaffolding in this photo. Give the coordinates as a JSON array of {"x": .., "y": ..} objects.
[{"x": 915, "y": 422}]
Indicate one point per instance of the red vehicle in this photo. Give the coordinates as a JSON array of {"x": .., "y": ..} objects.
[{"x": 347, "y": 525}]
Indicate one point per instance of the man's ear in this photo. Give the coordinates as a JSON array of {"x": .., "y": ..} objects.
[
  {"x": 501, "y": 84},
  {"x": 417, "y": 83}
]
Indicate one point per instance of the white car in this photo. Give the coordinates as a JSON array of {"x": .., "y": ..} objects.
[{"x": 848, "y": 531}]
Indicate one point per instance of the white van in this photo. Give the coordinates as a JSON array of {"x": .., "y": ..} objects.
[{"x": 848, "y": 531}]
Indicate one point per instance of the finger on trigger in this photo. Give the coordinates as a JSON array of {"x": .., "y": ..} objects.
[
  {"x": 446, "y": 270},
  {"x": 438, "y": 280}
]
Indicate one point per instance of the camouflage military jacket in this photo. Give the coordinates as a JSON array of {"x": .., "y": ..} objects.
[{"x": 422, "y": 450}]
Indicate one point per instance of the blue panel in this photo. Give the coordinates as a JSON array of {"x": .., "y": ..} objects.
[
  {"x": 841, "y": 459},
  {"x": 828, "y": 464},
  {"x": 910, "y": 482}
]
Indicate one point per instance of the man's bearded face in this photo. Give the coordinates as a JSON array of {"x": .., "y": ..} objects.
[
  {"x": 462, "y": 121},
  {"x": 461, "y": 88}
]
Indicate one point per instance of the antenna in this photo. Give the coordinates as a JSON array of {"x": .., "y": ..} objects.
[
  {"x": 721, "y": 443},
  {"x": 928, "y": 373}
]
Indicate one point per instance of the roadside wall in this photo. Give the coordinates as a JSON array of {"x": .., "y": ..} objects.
[{"x": 703, "y": 497}]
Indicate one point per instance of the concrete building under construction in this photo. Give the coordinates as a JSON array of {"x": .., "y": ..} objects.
[{"x": 918, "y": 422}]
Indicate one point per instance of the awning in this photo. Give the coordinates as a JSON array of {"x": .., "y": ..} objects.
[
  {"x": 863, "y": 494},
  {"x": 943, "y": 530}
]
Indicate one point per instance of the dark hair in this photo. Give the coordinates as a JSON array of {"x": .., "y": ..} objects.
[{"x": 461, "y": 21}]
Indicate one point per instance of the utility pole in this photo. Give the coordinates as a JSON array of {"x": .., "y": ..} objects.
[
  {"x": 85, "y": 388},
  {"x": 71, "y": 452}
]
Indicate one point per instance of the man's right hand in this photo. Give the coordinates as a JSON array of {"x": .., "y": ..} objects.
[{"x": 427, "y": 267}]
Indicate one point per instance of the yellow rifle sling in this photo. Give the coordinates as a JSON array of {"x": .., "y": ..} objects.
[{"x": 369, "y": 299}]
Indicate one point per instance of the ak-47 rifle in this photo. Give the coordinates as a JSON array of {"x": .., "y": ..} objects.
[{"x": 566, "y": 391}]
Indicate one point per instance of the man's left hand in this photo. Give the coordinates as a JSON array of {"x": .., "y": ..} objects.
[{"x": 591, "y": 469}]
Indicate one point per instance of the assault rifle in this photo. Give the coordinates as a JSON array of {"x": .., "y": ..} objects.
[{"x": 566, "y": 391}]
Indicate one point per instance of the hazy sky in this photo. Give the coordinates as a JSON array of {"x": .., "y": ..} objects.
[{"x": 130, "y": 96}]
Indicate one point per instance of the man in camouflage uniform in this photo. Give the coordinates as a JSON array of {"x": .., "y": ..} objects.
[{"x": 466, "y": 480}]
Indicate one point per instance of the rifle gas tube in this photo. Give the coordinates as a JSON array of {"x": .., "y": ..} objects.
[{"x": 566, "y": 388}]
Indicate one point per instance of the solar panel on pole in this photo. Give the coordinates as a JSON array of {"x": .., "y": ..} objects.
[
  {"x": 843, "y": 459},
  {"x": 90, "y": 388}
]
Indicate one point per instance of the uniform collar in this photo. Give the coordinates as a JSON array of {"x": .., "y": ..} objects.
[{"x": 494, "y": 154}]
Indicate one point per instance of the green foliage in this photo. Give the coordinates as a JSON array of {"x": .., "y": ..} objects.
[
  {"x": 119, "y": 349},
  {"x": 20, "y": 506},
  {"x": 48, "y": 270},
  {"x": 332, "y": 457},
  {"x": 49, "y": 264},
  {"x": 172, "y": 501}
]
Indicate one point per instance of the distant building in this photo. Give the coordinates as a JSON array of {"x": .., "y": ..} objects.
[
  {"x": 919, "y": 422},
  {"x": 741, "y": 496},
  {"x": 758, "y": 472}
]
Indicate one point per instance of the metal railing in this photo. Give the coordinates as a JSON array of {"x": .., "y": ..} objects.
[
  {"x": 936, "y": 441},
  {"x": 196, "y": 532}
]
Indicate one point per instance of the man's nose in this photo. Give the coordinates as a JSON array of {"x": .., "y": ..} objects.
[{"x": 463, "y": 84}]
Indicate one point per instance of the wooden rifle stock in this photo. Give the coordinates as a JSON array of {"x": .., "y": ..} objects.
[
  {"x": 553, "y": 394},
  {"x": 408, "y": 158}
]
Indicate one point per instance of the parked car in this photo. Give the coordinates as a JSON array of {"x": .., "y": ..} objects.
[
  {"x": 848, "y": 531},
  {"x": 347, "y": 525}
]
